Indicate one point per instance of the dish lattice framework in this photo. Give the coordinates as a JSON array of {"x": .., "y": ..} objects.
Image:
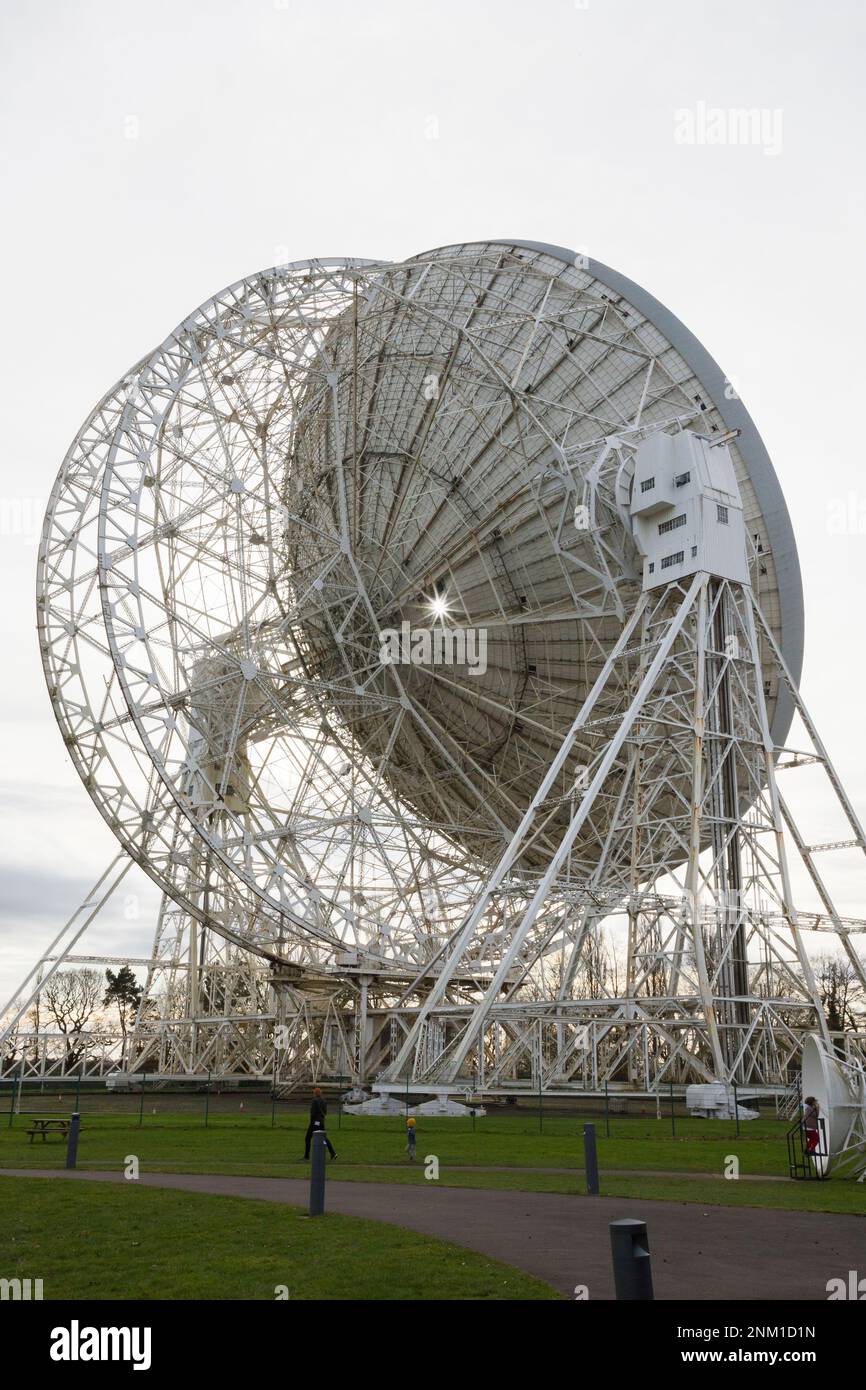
[{"x": 385, "y": 872}]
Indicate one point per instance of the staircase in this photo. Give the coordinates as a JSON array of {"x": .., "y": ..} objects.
[
  {"x": 807, "y": 1165},
  {"x": 789, "y": 1102}
]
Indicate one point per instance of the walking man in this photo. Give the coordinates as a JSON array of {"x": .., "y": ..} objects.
[{"x": 318, "y": 1111}]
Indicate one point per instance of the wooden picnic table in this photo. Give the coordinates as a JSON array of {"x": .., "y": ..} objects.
[{"x": 48, "y": 1124}]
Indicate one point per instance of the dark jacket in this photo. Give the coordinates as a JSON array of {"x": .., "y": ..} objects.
[{"x": 318, "y": 1111}]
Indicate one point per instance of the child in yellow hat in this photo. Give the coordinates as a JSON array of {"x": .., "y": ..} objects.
[{"x": 411, "y": 1139}]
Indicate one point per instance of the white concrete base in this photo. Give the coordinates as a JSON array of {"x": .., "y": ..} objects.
[
  {"x": 377, "y": 1105},
  {"x": 713, "y": 1100},
  {"x": 441, "y": 1105}
]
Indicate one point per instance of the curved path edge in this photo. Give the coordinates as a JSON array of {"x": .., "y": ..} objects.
[{"x": 698, "y": 1253}]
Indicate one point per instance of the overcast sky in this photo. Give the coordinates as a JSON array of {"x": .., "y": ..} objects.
[{"x": 155, "y": 152}]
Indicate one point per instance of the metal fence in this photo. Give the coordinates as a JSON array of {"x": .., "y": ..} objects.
[{"x": 194, "y": 1104}]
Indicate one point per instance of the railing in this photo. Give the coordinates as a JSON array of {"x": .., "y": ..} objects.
[{"x": 802, "y": 1163}]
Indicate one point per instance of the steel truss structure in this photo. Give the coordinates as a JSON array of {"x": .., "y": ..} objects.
[{"x": 399, "y": 872}]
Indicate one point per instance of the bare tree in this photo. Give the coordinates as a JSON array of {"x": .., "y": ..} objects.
[
  {"x": 597, "y": 972},
  {"x": 842, "y": 993},
  {"x": 71, "y": 998}
]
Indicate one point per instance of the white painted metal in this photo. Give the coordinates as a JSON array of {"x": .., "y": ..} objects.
[
  {"x": 686, "y": 509},
  {"x": 838, "y": 1083},
  {"x": 59, "y": 951},
  {"x": 384, "y": 871}
]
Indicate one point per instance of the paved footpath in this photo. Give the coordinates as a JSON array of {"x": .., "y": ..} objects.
[{"x": 697, "y": 1252}]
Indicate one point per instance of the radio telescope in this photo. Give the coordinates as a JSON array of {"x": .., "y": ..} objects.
[{"x": 411, "y": 625}]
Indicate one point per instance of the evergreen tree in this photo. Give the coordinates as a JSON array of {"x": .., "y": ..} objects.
[{"x": 124, "y": 991}]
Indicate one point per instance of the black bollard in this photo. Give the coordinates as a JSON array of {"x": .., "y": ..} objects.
[
  {"x": 632, "y": 1273},
  {"x": 590, "y": 1160},
  {"x": 317, "y": 1175},
  {"x": 72, "y": 1139}
]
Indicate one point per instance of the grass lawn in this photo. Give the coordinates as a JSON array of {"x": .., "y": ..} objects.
[
  {"x": 699, "y": 1146},
  {"x": 98, "y": 1241},
  {"x": 372, "y": 1150}
]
